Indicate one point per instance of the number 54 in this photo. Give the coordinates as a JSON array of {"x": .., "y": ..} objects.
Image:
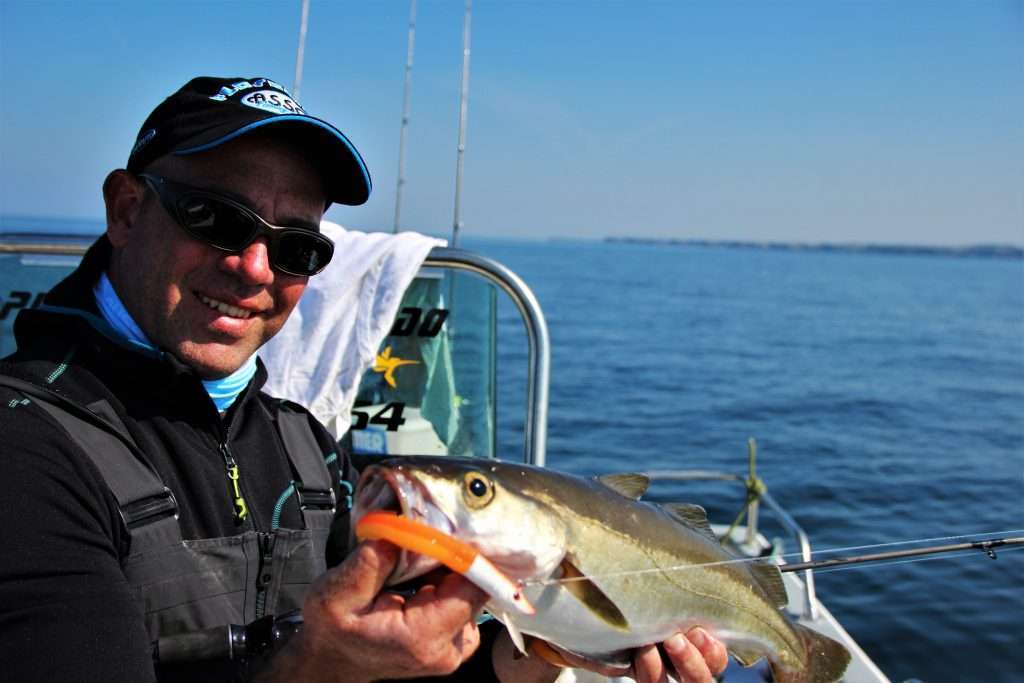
[{"x": 390, "y": 416}]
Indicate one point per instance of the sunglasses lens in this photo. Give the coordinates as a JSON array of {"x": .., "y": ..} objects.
[
  {"x": 225, "y": 225},
  {"x": 215, "y": 222},
  {"x": 302, "y": 252}
]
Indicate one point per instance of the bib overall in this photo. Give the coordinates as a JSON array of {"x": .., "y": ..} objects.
[{"x": 188, "y": 586}]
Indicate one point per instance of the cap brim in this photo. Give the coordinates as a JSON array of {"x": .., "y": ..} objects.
[{"x": 346, "y": 177}]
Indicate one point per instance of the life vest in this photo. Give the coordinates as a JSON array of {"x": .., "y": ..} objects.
[{"x": 187, "y": 587}]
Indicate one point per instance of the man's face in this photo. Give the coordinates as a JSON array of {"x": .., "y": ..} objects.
[{"x": 213, "y": 309}]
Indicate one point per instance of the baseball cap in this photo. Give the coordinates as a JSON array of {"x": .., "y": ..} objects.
[{"x": 209, "y": 111}]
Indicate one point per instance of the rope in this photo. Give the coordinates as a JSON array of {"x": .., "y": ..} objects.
[
  {"x": 275, "y": 519},
  {"x": 755, "y": 489}
]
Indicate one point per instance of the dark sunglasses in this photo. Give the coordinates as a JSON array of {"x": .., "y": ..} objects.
[{"x": 225, "y": 224}]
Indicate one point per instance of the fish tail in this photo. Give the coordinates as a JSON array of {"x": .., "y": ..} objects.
[{"x": 826, "y": 660}]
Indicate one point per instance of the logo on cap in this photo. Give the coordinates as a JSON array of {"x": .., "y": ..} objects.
[
  {"x": 143, "y": 141},
  {"x": 272, "y": 101}
]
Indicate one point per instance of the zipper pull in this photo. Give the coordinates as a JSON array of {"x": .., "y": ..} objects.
[{"x": 241, "y": 509}]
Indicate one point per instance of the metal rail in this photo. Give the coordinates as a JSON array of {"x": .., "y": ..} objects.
[
  {"x": 538, "y": 381},
  {"x": 787, "y": 521},
  {"x": 42, "y": 248}
]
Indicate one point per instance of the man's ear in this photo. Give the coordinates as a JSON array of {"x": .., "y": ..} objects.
[{"x": 123, "y": 195}]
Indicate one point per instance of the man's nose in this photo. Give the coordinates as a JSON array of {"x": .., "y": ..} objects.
[{"x": 252, "y": 264}]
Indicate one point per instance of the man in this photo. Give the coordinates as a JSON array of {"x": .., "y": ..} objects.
[{"x": 151, "y": 493}]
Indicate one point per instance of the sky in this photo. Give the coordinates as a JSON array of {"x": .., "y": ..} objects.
[{"x": 834, "y": 122}]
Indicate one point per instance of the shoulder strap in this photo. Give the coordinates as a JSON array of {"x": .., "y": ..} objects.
[
  {"x": 141, "y": 496},
  {"x": 314, "y": 490}
]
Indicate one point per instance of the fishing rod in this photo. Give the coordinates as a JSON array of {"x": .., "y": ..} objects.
[
  {"x": 406, "y": 107},
  {"x": 301, "y": 51},
  {"x": 463, "y": 113},
  {"x": 987, "y": 546}
]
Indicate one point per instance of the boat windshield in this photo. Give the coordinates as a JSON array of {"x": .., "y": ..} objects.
[{"x": 431, "y": 389}]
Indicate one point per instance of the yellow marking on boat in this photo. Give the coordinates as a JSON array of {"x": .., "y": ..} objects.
[{"x": 387, "y": 364}]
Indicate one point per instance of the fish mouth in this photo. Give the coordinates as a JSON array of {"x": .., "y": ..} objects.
[{"x": 393, "y": 490}]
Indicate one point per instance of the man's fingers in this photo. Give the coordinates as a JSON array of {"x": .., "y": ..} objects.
[
  {"x": 648, "y": 666},
  {"x": 355, "y": 583},
  {"x": 428, "y": 633},
  {"x": 387, "y": 602},
  {"x": 687, "y": 659},
  {"x": 448, "y": 606},
  {"x": 712, "y": 649},
  {"x": 468, "y": 640}
]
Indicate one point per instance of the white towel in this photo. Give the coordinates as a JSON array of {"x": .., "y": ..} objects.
[{"x": 333, "y": 335}]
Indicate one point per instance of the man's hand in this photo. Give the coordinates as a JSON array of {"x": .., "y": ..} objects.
[
  {"x": 355, "y": 633},
  {"x": 695, "y": 657}
]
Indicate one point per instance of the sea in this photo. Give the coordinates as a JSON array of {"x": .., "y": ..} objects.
[{"x": 885, "y": 393}]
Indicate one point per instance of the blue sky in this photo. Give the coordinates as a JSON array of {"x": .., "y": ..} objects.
[{"x": 806, "y": 121}]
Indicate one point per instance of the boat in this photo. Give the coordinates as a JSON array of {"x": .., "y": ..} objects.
[{"x": 433, "y": 390}]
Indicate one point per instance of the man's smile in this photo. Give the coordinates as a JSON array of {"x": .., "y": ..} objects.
[{"x": 225, "y": 308}]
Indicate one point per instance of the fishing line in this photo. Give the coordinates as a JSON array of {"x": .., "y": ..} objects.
[{"x": 799, "y": 555}]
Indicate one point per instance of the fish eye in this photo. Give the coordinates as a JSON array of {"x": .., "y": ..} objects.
[{"x": 477, "y": 489}]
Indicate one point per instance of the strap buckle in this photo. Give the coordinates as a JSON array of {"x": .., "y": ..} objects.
[
  {"x": 316, "y": 499},
  {"x": 147, "y": 510}
]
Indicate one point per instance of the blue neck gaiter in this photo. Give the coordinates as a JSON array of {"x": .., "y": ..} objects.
[
  {"x": 223, "y": 391},
  {"x": 116, "y": 314}
]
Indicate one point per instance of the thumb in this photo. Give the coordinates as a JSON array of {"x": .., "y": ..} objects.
[{"x": 355, "y": 583}]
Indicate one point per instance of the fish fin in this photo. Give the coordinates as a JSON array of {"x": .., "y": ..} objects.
[
  {"x": 826, "y": 660},
  {"x": 549, "y": 653},
  {"x": 693, "y": 516},
  {"x": 746, "y": 655},
  {"x": 619, "y": 659},
  {"x": 629, "y": 484},
  {"x": 769, "y": 578},
  {"x": 514, "y": 633},
  {"x": 587, "y": 592}
]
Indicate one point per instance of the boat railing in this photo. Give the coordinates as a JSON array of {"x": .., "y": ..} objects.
[
  {"x": 539, "y": 373},
  {"x": 782, "y": 516}
]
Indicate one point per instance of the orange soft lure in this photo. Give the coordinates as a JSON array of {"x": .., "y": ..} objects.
[{"x": 460, "y": 557}]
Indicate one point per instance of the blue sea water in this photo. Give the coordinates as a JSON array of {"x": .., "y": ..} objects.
[{"x": 886, "y": 393}]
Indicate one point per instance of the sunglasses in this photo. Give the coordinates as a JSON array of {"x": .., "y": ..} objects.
[{"x": 225, "y": 224}]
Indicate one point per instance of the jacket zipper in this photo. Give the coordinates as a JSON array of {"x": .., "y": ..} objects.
[
  {"x": 265, "y": 540},
  {"x": 241, "y": 509}
]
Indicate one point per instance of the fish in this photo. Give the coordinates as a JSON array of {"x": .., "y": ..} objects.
[{"x": 603, "y": 571}]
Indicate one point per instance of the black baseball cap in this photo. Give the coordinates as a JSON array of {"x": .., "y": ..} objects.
[{"x": 210, "y": 111}]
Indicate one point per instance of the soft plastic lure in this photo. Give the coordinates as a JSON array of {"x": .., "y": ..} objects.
[{"x": 460, "y": 557}]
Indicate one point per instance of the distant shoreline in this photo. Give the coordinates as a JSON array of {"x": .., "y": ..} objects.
[
  {"x": 997, "y": 251},
  {"x": 14, "y": 224}
]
